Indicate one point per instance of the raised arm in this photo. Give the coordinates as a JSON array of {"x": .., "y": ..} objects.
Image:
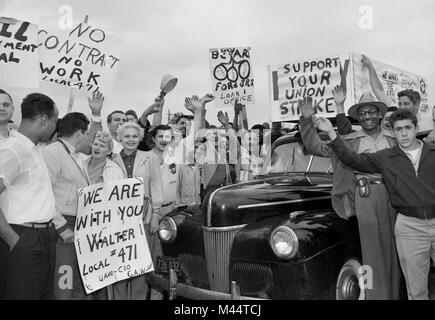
[
  {"x": 375, "y": 83},
  {"x": 343, "y": 124},
  {"x": 310, "y": 138},
  {"x": 364, "y": 162},
  {"x": 95, "y": 104}
]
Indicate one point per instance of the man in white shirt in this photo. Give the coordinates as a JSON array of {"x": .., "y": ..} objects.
[
  {"x": 27, "y": 207},
  {"x": 6, "y": 112}
]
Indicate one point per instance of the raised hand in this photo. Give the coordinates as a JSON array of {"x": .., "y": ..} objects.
[
  {"x": 96, "y": 103},
  {"x": 339, "y": 95},
  {"x": 323, "y": 124},
  {"x": 207, "y": 98},
  {"x": 306, "y": 107},
  {"x": 223, "y": 118},
  {"x": 196, "y": 104},
  {"x": 366, "y": 61},
  {"x": 237, "y": 106},
  {"x": 155, "y": 107}
]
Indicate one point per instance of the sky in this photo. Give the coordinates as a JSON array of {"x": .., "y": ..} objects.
[{"x": 174, "y": 36}]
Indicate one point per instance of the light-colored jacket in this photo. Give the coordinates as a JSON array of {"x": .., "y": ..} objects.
[
  {"x": 111, "y": 170},
  {"x": 66, "y": 178},
  {"x": 147, "y": 166}
]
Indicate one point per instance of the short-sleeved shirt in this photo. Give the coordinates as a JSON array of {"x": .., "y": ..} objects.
[
  {"x": 28, "y": 196},
  {"x": 170, "y": 178}
]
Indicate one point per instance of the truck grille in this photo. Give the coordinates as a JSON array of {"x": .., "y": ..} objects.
[{"x": 217, "y": 243}]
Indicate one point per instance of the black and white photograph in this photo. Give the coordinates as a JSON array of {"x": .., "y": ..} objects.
[{"x": 228, "y": 151}]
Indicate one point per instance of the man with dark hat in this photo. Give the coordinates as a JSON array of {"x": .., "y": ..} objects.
[{"x": 368, "y": 196}]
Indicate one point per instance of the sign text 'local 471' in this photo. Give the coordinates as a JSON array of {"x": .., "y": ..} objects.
[
  {"x": 84, "y": 57},
  {"x": 232, "y": 76},
  {"x": 110, "y": 239}
]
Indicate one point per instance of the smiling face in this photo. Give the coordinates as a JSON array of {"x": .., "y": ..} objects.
[
  {"x": 6, "y": 109},
  {"x": 368, "y": 117},
  {"x": 162, "y": 139},
  {"x": 129, "y": 139},
  {"x": 100, "y": 149}
]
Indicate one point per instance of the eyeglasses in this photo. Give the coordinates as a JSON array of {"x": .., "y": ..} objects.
[{"x": 370, "y": 113}]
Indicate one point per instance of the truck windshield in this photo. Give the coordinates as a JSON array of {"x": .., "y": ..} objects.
[{"x": 290, "y": 157}]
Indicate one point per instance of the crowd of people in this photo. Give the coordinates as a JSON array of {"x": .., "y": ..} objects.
[
  {"x": 381, "y": 174},
  {"x": 46, "y": 160}
]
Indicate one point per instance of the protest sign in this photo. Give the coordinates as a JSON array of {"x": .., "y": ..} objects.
[
  {"x": 317, "y": 77},
  {"x": 393, "y": 81},
  {"x": 110, "y": 238},
  {"x": 84, "y": 57},
  {"x": 232, "y": 76},
  {"x": 18, "y": 54},
  {"x": 314, "y": 78}
]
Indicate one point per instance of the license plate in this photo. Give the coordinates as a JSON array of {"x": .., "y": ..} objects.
[{"x": 164, "y": 264}]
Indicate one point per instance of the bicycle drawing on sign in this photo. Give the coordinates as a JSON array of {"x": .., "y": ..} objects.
[{"x": 232, "y": 70}]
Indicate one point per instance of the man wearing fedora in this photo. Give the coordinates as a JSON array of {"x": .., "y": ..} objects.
[{"x": 364, "y": 194}]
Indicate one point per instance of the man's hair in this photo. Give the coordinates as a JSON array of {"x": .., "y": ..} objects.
[
  {"x": 4, "y": 92},
  {"x": 109, "y": 117},
  {"x": 128, "y": 125},
  {"x": 36, "y": 104},
  {"x": 71, "y": 123},
  {"x": 403, "y": 114},
  {"x": 413, "y": 95},
  {"x": 393, "y": 108},
  {"x": 160, "y": 127},
  {"x": 131, "y": 112}
]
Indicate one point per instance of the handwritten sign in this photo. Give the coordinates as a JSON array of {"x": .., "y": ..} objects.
[
  {"x": 393, "y": 81},
  {"x": 110, "y": 239},
  {"x": 18, "y": 54},
  {"x": 232, "y": 76},
  {"x": 315, "y": 78},
  {"x": 85, "y": 57}
]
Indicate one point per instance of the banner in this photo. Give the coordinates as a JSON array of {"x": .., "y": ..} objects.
[
  {"x": 110, "y": 238},
  {"x": 315, "y": 78},
  {"x": 232, "y": 76},
  {"x": 393, "y": 81},
  {"x": 85, "y": 57},
  {"x": 18, "y": 54}
]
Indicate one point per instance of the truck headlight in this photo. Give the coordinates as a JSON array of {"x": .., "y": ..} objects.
[
  {"x": 284, "y": 242},
  {"x": 167, "y": 230}
]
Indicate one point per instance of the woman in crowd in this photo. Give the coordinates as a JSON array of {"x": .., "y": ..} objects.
[
  {"x": 98, "y": 166},
  {"x": 144, "y": 164}
]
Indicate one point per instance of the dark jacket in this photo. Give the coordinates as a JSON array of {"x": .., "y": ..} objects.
[{"x": 410, "y": 193}]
